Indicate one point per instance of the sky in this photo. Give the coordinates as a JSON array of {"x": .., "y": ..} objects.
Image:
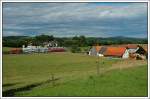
[{"x": 74, "y": 19}]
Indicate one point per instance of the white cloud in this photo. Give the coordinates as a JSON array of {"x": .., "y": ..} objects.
[
  {"x": 69, "y": 17},
  {"x": 12, "y": 33}
]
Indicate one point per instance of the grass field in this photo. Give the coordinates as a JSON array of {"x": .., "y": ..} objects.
[
  {"x": 72, "y": 75},
  {"x": 6, "y": 49}
]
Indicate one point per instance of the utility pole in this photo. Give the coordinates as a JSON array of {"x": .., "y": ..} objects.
[{"x": 98, "y": 67}]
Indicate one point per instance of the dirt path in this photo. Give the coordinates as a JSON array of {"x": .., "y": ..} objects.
[
  {"x": 120, "y": 65},
  {"x": 125, "y": 64}
]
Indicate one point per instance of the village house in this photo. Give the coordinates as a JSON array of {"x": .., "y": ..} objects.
[
  {"x": 137, "y": 51},
  {"x": 37, "y": 49},
  {"x": 132, "y": 48},
  {"x": 119, "y": 51},
  {"x": 51, "y": 46},
  {"x": 140, "y": 53},
  {"x": 94, "y": 51}
]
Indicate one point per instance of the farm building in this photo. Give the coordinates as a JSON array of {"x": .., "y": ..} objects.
[
  {"x": 46, "y": 47},
  {"x": 140, "y": 53},
  {"x": 132, "y": 48},
  {"x": 119, "y": 52},
  {"x": 56, "y": 49},
  {"x": 145, "y": 47},
  {"x": 50, "y": 44},
  {"x": 106, "y": 51},
  {"x": 39, "y": 49},
  {"x": 30, "y": 49},
  {"x": 15, "y": 51},
  {"x": 122, "y": 51},
  {"x": 94, "y": 51},
  {"x": 137, "y": 51},
  {"x": 102, "y": 50}
]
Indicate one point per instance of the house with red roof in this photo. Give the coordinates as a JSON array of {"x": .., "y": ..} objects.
[
  {"x": 118, "y": 52},
  {"x": 109, "y": 51},
  {"x": 94, "y": 51},
  {"x": 138, "y": 51},
  {"x": 132, "y": 48}
]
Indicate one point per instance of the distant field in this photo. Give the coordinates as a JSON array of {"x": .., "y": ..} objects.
[
  {"x": 6, "y": 49},
  {"x": 75, "y": 74}
]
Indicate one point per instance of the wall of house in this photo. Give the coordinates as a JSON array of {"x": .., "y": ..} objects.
[
  {"x": 93, "y": 51},
  {"x": 126, "y": 54},
  {"x": 133, "y": 50},
  {"x": 30, "y": 49},
  {"x": 141, "y": 51},
  {"x": 100, "y": 55}
]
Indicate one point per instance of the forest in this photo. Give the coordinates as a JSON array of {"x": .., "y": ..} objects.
[{"x": 79, "y": 41}]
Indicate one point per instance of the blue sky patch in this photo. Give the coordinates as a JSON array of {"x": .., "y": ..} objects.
[{"x": 70, "y": 19}]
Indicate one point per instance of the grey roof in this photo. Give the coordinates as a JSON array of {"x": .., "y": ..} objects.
[{"x": 102, "y": 50}]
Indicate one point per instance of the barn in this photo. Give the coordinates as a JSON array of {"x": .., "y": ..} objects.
[
  {"x": 94, "y": 51},
  {"x": 132, "y": 48},
  {"x": 16, "y": 51},
  {"x": 109, "y": 51},
  {"x": 141, "y": 53},
  {"x": 56, "y": 49},
  {"x": 48, "y": 47},
  {"x": 118, "y": 52},
  {"x": 102, "y": 50},
  {"x": 137, "y": 51},
  {"x": 37, "y": 49}
]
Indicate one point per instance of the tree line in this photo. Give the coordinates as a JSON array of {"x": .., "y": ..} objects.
[{"x": 79, "y": 41}]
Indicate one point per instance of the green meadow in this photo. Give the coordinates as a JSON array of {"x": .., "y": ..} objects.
[{"x": 72, "y": 74}]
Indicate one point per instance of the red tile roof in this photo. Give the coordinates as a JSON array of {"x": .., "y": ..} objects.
[
  {"x": 132, "y": 46},
  {"x": 115, "y": 51},
  {"x": 145, "y": 48},
  {"x": 16, "y": 51},
  {"x": 56, "y": 50}
]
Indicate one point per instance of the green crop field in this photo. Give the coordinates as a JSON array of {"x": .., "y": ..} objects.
[{"x": 70, "y": 74}]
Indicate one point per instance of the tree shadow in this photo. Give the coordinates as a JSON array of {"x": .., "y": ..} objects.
[
  {"x": 9, "y": 84},
  {"x": 11, "y": 92}
]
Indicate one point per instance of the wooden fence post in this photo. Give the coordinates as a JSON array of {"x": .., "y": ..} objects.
[
  {"x": 98, "y": 71},
  {"x": 53, "y": 79}
]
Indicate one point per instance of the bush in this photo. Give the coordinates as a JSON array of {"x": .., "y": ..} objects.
[{"x": 75, "y": 49}]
